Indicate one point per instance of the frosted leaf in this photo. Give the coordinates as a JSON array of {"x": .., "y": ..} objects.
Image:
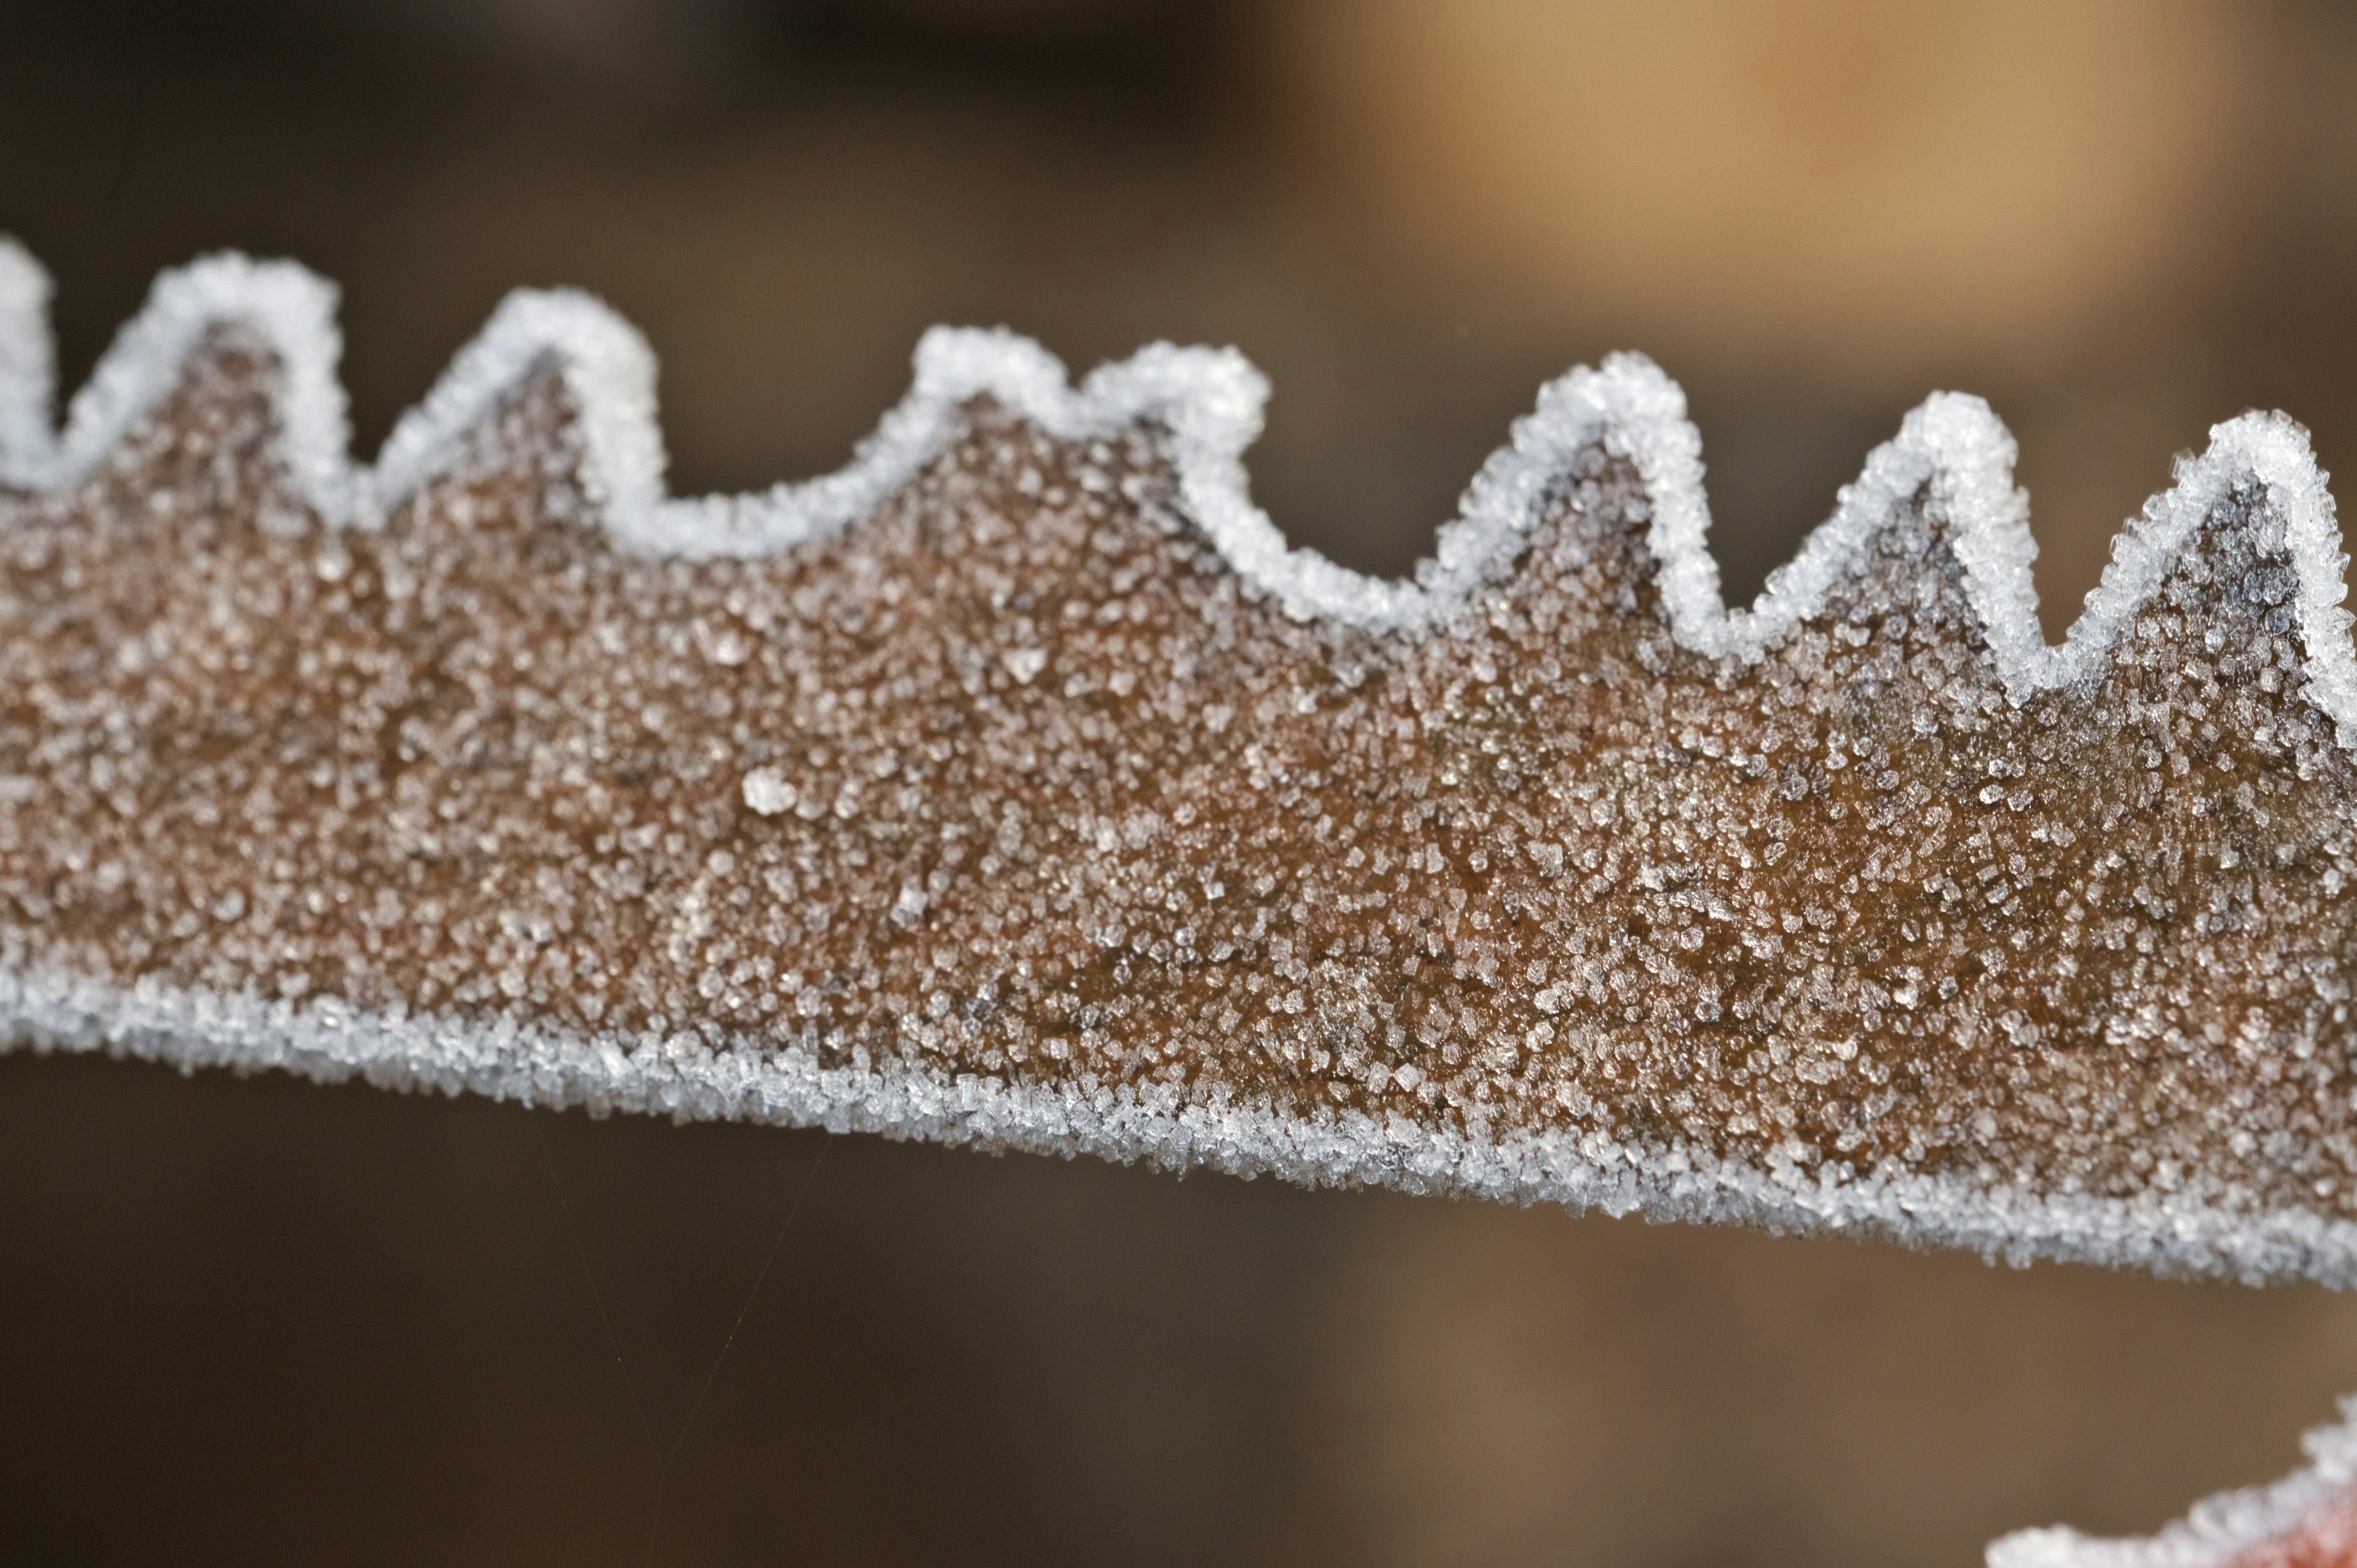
[
  {"x": 2307, "y": 1520},
  {"x": 1018, "y": 785}
]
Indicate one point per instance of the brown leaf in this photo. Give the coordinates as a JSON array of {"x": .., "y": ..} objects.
[{"x": 1019, "y": 787}]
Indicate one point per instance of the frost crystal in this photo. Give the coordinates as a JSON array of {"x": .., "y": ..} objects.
[
  {"x": 767, "y": 791},
  {"x": 1018, "y": 785}
]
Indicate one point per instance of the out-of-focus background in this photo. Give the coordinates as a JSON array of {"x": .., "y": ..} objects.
[{"x": 262, "y": 1321}]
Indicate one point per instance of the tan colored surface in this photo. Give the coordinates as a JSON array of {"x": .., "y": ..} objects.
[{"x": 1942, "y": 186}]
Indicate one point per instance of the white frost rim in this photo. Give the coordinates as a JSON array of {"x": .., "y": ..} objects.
[
  {"x": 1211, "y": 400},
  {"x": 2197, "y": 1230},
  {"x": 330, "y": 1041},
  {"x": 2218, "y": 1528}
]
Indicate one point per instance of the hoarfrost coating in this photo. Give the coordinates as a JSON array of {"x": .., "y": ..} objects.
[
  {"x": 1061, "y": 805},
  {"x": 1019, "y": 786}
]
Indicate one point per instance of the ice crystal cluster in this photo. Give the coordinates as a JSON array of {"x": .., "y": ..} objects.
[{"x": 1019, "y": 786}]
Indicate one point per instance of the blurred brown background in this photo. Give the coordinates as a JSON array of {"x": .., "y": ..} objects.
[{"x": 260, "y": 1321}]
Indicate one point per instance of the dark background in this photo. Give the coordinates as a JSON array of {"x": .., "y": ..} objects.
[{"x": 260, "y": 1321}]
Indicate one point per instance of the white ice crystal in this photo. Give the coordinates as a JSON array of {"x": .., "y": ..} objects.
[{"x": 767, "y": 791}]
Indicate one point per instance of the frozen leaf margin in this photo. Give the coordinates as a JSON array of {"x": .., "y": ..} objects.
[
  {"x": 1212, "y": 402},
  {"x": 2308, "y": 1519}
]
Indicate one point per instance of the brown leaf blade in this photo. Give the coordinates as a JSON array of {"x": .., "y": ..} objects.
[{"x": 1017, "y": 787}]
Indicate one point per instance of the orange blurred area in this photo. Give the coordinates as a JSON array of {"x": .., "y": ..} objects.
[
  {"x": 275, "y": 1322},
  {"x": 1917, "y": 190}
]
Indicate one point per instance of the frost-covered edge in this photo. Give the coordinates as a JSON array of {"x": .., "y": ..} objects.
[
  {"x": 2218, "y": 1528},
  {"x": 2194, "y": 1232},
  {"x": 1212, "y": 402}
]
